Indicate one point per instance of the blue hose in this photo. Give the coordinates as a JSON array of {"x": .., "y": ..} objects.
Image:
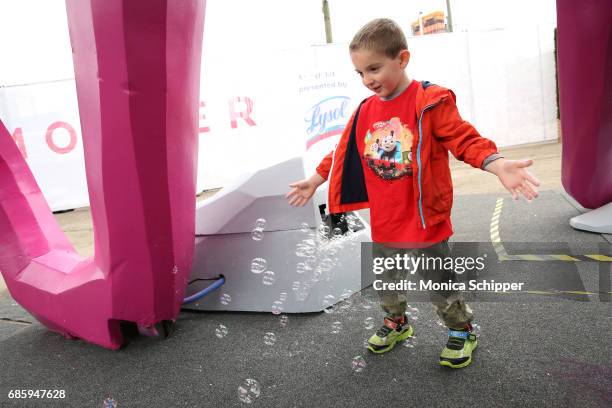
[{"x": 199, "y": 295}]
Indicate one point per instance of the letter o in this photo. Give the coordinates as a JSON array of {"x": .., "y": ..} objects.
[{"x": 71, "y": 134}]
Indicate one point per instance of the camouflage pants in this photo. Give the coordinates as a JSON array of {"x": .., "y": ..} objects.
[{"x": 449, "y": 305}]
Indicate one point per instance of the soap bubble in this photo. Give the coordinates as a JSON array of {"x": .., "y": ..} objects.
[
  {"x": 366, "y": 304},
  {"x": 304, "y": 227},
  {"x": 295, "y": 286},
  {"x": 328, "y": 301},
  {"x": 249, "y": 390},
  {"x": 260, "y": 224},
  {"x": 323, "y": 231},
  {"x": 303, "y": 291},
  {"x": 109, "y": 403},
  {"x": 221, "y": 331},
  {"x": 225, "y": 299},
  {"x": 277, "y": 307},
  {"x": 369, "y": 323},
  {"x": 303, "y": 250},
  {"x": 336, "y": 233},
  {"x": 257, "y": 235},
  {"x": 358, "y": 364},
  {"x": 476, "y": 329},
  {"x": 316, "y": 276},
  {"x": 326, "y": 264},
  {"x": 310, "y": 261},
  {"x": 336, "y": 327},
  {"x": 284, "y": 320},
  {"x": 270, "y": 338},
  {"x": 410, "y": 342},
  {"x": 283, "y": 296},
  {"x": 268, "y": 278},
  {"x": 347, "y": 293},
  {"x": 175, "y": 270},
  {"x": 302, "y": 267},
  {"x": 258, "y": 265}
]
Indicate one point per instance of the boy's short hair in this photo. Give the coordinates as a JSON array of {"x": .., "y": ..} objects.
[{"x": 382, "y": 35}]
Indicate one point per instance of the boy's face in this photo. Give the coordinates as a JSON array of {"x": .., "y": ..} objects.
[{"x": 379, "y": 73}]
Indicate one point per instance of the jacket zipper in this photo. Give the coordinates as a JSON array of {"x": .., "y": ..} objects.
[
  {"x": 329, "y": 177},
  {"x": 419, "y": 162}
]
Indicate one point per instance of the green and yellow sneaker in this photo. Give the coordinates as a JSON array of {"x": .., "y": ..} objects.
[
  {"x": 459, "y": 348},
  {"x": 393, "y": 331}
]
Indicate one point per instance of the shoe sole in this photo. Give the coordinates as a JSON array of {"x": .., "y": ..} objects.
[
  {"x": 398, "y": 339},
  {"x": 466, "y": 363}
]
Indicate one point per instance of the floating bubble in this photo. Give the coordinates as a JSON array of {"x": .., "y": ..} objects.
[
  {"x": 304, "y": 227},
  {"x": 225, "y": 299},
  {"x": 283, "y": 296},
  {"x": 476, "y": 329},
  {"x": 249, "y": 391},
  {"x": 269, "y": 338},
  {"x": 332, "y": 251},
  {"x": 109, "y": 403},
  {"x": 304, "y": 251},
  {"x": 268, "y": 278},
  {"x": 175, "y": 270},
  {"x": 309, "y": 242},
  {"x": 410, "y": 342},
  {"x": 336, "y": 233},
  {"x": 328, "y": 301},
  {"x": 347, "y": 293},
  {"x": 258, "y": 265},
  {"x": 260, "y": 224},
  {"x": 303, "y": 291},
  {"x": 326, "y": 264},
  {"x": 277, "y": 307},
  {"x": 366, "y": 304},
  {"x": 302, "y": 267},
  {"x": 323, "y": 231},
  {"x": 284, "y": 320},
  {"x": 257, "y": 235},
  {"x": 295, "y": 286},
  {"x": 221, "y": 331},
  {"x": 310, "y": 261},
  {"x": 336, "y": 327},
  {"x": 369, "y": 323},
  {"x": 316, "y": 275},
  {"x": 358, "y": 364}
]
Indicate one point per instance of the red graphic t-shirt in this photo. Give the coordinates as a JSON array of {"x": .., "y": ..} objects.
[{"x": 385, "y": 132}]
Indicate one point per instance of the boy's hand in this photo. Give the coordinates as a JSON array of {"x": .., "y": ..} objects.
[
  {"x": 303, "y": 190},
  {"x": 515, "y": 177}
]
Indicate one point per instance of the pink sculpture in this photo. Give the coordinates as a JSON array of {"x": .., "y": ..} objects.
[
  {"x": 137, "y": 67},
  {"x": 584, "y": 36}
]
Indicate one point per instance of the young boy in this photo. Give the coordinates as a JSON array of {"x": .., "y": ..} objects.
[{"x": 393, "y": 158}]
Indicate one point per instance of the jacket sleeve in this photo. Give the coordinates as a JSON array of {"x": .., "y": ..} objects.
[
  {"x": 325, "y": 166},
  {"x": 458, "y": 135}
]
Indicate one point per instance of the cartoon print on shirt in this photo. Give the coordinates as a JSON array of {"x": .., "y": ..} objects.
[{"x": 388, "y": 149}]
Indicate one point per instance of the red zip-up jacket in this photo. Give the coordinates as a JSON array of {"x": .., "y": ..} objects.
[{"x": 440, "y": 130}]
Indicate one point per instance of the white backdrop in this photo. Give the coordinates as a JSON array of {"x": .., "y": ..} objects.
[{"x": 263, "y": 104}]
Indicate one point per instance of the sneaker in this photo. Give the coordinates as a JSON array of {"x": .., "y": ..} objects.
[
  {"x": 459, "y": 348},
  {"x": 393, "y": 331}
]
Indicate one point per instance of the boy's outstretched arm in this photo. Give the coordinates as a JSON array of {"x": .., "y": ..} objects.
[{"x": 466, "y": 144}]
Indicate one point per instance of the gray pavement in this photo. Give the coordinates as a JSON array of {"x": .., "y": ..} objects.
[{"x": 538, "y": 351}]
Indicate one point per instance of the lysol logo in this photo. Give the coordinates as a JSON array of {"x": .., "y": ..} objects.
[{"x": 326, "y": 118}]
